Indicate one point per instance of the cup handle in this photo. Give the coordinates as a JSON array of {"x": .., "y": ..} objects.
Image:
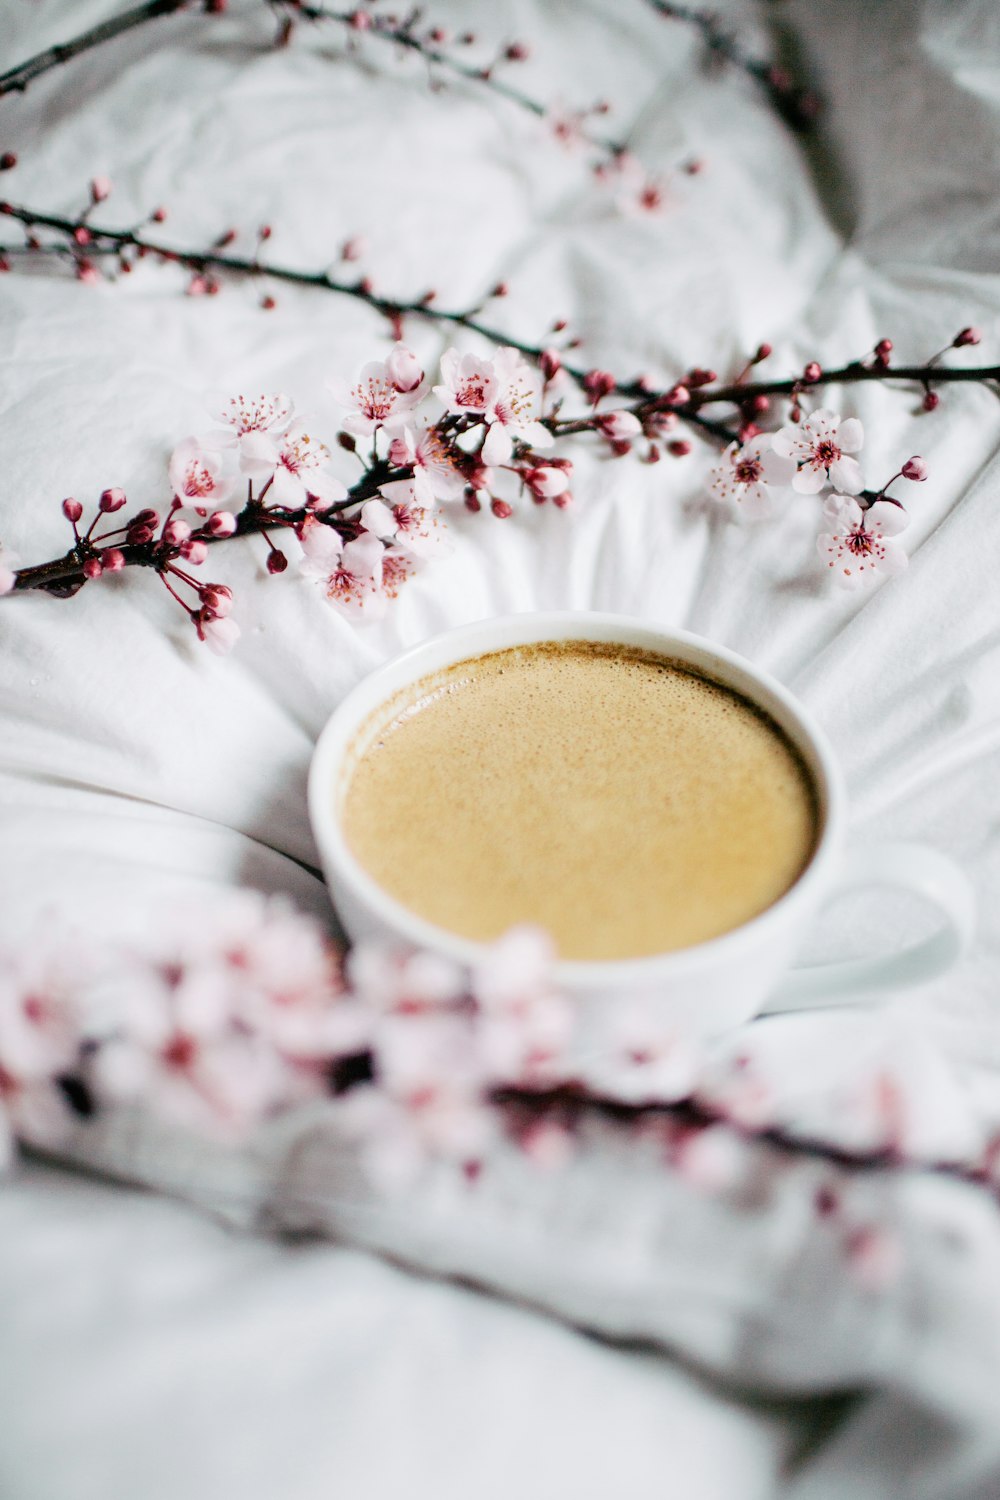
[{"x": 910, "y": 867}]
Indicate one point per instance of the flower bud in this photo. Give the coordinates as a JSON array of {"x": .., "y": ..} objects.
[
  {"x": 400, "y": 453},
  {"x": 82, "y": 235},
  {"x": 72, "y": 510},
  {"x": 112, "y": 560},
  {"x": 517, "y": 52},
  {"x": 618, "y": 426},
  {"x": 100, "y": 188},
  {"x": 158, "y": 216},
  {"x": 216, "y": 598},
  {"x": 915, "y": 468},
  {"x": 87, "y": 272},
  {"x": 598, "y": 383},
  {"x": 138, "y": 536},
  {"x": 268, "y": 303},
  {"x": 679, "y": 448},
  {"x": 221, "y": 523},
  {"x": 563, "y": 501},
  {"x": 812, "y": 372},
  {"x": 175, "y": 532},
  {"x": 967, "y": 336},
  {"x": 360, "y": 20},
  {"x": 8, "y": 161},
  {"x": 883, "y": 349},
  {"x": 112, "y": 500},
  {"x": 678, "y": 396},
  {"x": 347, "y": 442},
  {"x": 472, "y": 501},
  {"x": 759, "y": 404},
  {"x": 699, "y": 377},
  {"x": 92, "y": 568},
  {"x": 194, "y": 551},
  {"x": 546, "y": 482},
  {"x": 931, "y": 401},
  {"x": 501, "y": 509},
  {"x": 764, "y": 351},
  {"x": 404, "y": 369},
  {"x": 500, "y": 290},
  {"x": 277, "y": 562},
  {"x": 551, "y": 363}
]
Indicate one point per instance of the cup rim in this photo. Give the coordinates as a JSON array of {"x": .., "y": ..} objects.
[{"x": 498, "y": 632}]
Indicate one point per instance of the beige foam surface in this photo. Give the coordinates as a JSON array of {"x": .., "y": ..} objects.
[{"x": 626, "y": 804}]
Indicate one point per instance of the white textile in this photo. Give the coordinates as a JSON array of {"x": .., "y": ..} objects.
[{"x": 133, "y": 764}]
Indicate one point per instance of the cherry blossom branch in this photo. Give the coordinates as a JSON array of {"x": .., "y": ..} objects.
[
  {"x": 574, "y": 1103},
  {"x": 431, "y": 45},
  {"x": 16, "y": 80},
  {"x": 798, "y": 106}
]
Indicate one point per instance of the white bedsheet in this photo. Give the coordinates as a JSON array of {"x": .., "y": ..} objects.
[{"x": 142, "y": 1346}]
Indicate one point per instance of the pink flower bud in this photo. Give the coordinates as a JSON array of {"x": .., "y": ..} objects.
[
  {"x": 4, "y": 263},
  {"x": 678, "y": 396},
  {"x": 551, "y": 363},
  {"x": 194, "y": 551},
  {"x": 812, "y": 372},
  {"x": 92, "y": 568},
  {"x": 563, "y": 501},
  {"x": 146, "y": 518},
  {"x": 400, "y": 453},
  {"x": 546, "y": 482},
  {"x": 473, "y": 502},
  {"x": 915, "y": 468},
  {"x": 967, "y": 336},
  {"x": 404, "y": 369},
  {"x": 220, "y": 635},
  {"x": 268, "y": 303},
  {"x": 277, "y": 562},
  {"x": 87, "y": 272},
  {"x": 883, "y": 349},
  {"x": 501, "y": 509},
  {"x": 598, "y": 383},
  {"x": 112, "y": 500},
  {"x": 619, "y": 426},
  {"x": 698, "y": 377},
  {"x": 264, "y": 232},
  {"x": 221, "y": 523},
  {"x": 760, "y": 404},
  {"x": 360, "y": 20},
  {"x": 931, "y": 401},
  {"x": 197, "y": 286},
  {"x": 764, "y": 351},
  {"x": 72, "y": 510},
  {"x": 8, "y": 161},
  {"x": 82, "y": 235},
  {"x": 352, "y": 249},
  {"x": 653, "y": 455},
  {"x": 216, "y": 598},
  {"x": 100, "y": 188},
  {"x": 175, "y": 532},
  {"x": 138, "y": 536},
  {"x": 679, "y": 448},
  {"x": 158, "y": 216},
  {"x": 112, "y": 560},
  {"x": 517, "y": 52}
]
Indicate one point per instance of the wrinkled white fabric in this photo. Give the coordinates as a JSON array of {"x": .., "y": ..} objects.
[{"x": 133, "y": 764}]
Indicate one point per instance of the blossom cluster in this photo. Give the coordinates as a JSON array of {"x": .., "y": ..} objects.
[
  {"x": 807, "y": 457},
  {"x": 231, "y": 1014}
]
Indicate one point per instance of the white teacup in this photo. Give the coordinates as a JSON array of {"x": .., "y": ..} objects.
[{"x": 712, "y": 985}]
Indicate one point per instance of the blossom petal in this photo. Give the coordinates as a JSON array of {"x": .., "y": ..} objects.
[
  {"x": 886, "y": 518},
  {"x": 377, "y": 518},
  {"x": 846, "y": 474},
  {"x": 850, "y": 435},
  {"x": 499, "y": 445},
  {"x": 777, "y": 468},
  {"x": 809, "y": 480}
]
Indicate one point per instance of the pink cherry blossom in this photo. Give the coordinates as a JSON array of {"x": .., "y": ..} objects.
[
  {"x": 298, "y": 472},
  {"x": 861, "y": 543},
  {"x": 524, "y": 1023},
  {"x": 220, "y": 633},
  {"x": 468, "y": 383},
  {"x": 510, "y": 411},
  {"x": 256, "y": 424},
  {"x": 39, "y": 1041},
  {"x": 10, "y": 561},
  {"x": 197, "y": 478},
  {"x": 546, "y": 482},
  {"x": 404, "y": 370},
  {"x": 382, "y": 395},
  {"x": 405, "y": 522},
  {"x": 749, "y": 475},
  {"x": 435, "y": 476},
  {"x": 820, "y": 445},
  {"x": 354, "y": 584}
]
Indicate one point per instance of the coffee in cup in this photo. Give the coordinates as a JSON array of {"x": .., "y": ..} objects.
[{"x": 620, "y": 799}]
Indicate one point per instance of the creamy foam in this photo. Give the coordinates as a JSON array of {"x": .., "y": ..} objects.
[{"x": 618, "y": 799}]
